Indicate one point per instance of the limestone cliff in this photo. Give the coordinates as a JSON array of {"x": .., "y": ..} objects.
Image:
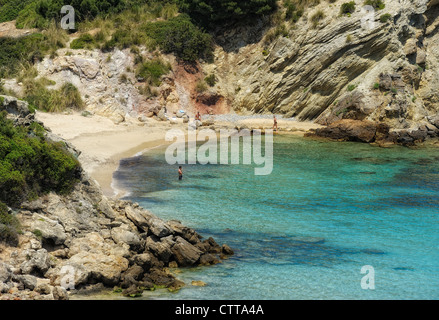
[
  {"x": 325, "y": 69},
  {"x": 85, "y": 240},
  {"x": 338, "y": 68}
]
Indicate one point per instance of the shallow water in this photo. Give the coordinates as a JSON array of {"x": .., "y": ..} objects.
[{"x": 306, "y": 230}]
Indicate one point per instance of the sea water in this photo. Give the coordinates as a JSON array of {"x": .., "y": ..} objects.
[{"x": 305, "y": 231}]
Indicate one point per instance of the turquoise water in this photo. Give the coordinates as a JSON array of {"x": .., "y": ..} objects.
[{"x": 306, "y": 230}]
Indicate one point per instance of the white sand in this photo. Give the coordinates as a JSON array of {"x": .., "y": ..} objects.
[{"x": 103, "y": 144}]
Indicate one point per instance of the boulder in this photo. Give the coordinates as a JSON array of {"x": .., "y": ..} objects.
[
  {"x": 159, "y": 277},
  {"x": 162, "y": 115},
  {"x": 186, "y": 233},
  {"x": 208, "y": 259},
  {"x": 185, "y": 254},
  {"x": 38, "y": 261},
  {"x": 5, "y": 272},
  {"x": 161, "y": 248},
  {"x": 348, "y": 130},
  {"x": 28, "y": 281},
  {"x": 212, "y": 246},
  {"x": 158, "y": 227},
  {"x": 122, "y": 234},
  {"x": 225, "y": 249},
  {"x": 50, "y": 230},
  {"x": 59, "y": 293},
  {"x": 137, "y": 217},
  {"x": 97, "y": 267},
  {"x": 144, "y": 260}
]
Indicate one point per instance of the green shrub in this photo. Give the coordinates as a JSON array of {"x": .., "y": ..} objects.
[
  {"x": 347, "y": 7},
  {"x": 40, "y": 13},
  {"x": 376, "y": 85},
  {"x": 376, "y": 4},
  {"x": 9, "y": 9},
  {"x": 15, "y": 52},
  {"x": 210, "y": 13},
  {"x": 152, "y": 71},
  {"x": 385, "y": 17},
  {"x": 293, "y": 10},
  {"x": 85, "y": 41},
  {"x": 201, "y": 86},
  {"x": 210, "y": 80},
  {"x": 317, "y": 17},
  {"x": 180, "y": 36},
  {"x": 351, "y": 87},
  {"x": 39, "y": 97},
  {"x": 30, "y": 165}
]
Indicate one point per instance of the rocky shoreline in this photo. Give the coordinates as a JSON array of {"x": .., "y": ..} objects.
[
  {"x": 85, "y": 241},
  {"x": 88, "y": 242},
  {"x": 375, "y": 132}
]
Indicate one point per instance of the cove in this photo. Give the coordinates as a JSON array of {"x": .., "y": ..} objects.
[{"x": 306, "y": 230}]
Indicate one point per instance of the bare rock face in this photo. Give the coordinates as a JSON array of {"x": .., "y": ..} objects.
[
  {"x": 314, "y": 72},
  {"x": 84, "y": 239},
  {"x": 349, "y": 130},
  {"x": 185, "y": 253}
]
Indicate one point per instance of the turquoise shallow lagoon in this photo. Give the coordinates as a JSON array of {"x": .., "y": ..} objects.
[{"x": 306, "y": 230}]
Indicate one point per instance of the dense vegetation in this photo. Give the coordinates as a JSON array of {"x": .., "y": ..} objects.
[
  {"x": 51, "y": 100},
  {"x": 9, "y": 9},
  {"x": 213, "y": 12},
  {"x": 30, "y": 165},
  {"x": 180, "y": 36},
  {"x": 40, "y": 13},
  {"x": 15, "y": 53},
  {"x": 151, "y": 71}
]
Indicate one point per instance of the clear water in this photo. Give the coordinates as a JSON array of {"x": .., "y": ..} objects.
[{"x": 306, "y": 230}]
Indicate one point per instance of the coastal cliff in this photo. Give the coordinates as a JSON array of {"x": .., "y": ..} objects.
[
  {"x": 335, "y": 68},
  {"x": 317, "y": 63},
  {"x": 85, "y": 241}
]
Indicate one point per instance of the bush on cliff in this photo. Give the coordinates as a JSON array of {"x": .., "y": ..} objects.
[
  {"x": 210, "y": 13},
  {"x": 347, "y": 8},
  {"x": 180, "y": 36},
  {"x": 152, "y": 71},
  {"x": 9, "y": 9},
  {"x": 30, "y": 165},
  {"x": 9, "y": 226},
  {"x": 376, "y": 4},
  {"x": 39, "y": 97},
  {"x": 40, "y": 13},
  {"x": 16, "y": 52}
]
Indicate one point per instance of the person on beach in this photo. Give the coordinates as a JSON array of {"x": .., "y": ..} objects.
[
  {"x": 198, "y": 116},
  {"x": 180, "y": 173},
  {"x": 275, "y": 123}
]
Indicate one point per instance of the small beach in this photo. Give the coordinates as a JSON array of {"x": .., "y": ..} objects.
[{"x": 103, "y": 143}]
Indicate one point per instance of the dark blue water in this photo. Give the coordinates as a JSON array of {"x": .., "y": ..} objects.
[{"x": 306, "y": 230}]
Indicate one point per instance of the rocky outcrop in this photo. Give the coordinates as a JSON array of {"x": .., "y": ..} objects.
[
  {"x": 354, "y": 130},
  {"x": 373, "y": 132},
  {"x": 338, "y": 69},
  {"x": 71, "y": 238},
  {"x": 84, "y": 240}
]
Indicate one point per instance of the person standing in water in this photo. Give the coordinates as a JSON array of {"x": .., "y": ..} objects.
[
  {"x": 275, "y": 123},
  {"x": 180, "y": 173}
]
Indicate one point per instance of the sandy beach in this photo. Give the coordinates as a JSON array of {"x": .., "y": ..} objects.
[{"x": 103, "y": 143}]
